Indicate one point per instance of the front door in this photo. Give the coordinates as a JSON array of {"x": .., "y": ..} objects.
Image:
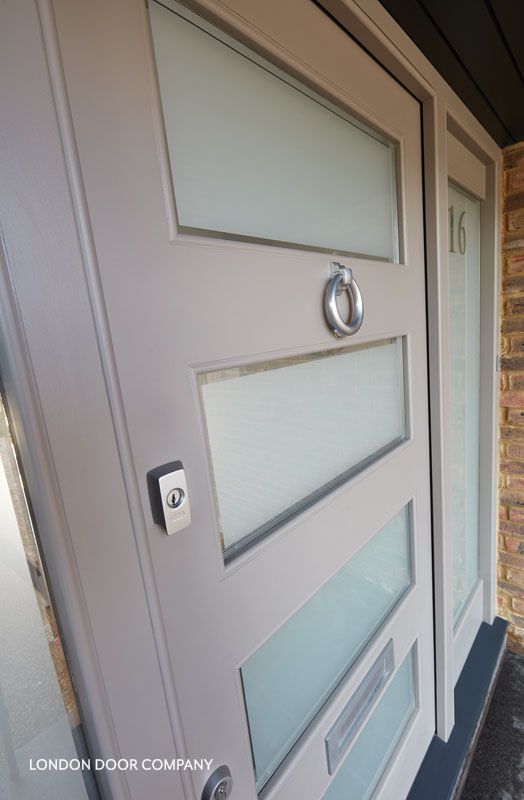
[{"x": 241, "y": 161}]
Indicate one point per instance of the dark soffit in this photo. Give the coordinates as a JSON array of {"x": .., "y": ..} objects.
[{"x": 478, "y": 47}]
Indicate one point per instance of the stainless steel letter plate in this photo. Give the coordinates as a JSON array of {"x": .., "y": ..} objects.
[
  {"x": 169, "y": 497},
  {"x": 356, "y": 710}
]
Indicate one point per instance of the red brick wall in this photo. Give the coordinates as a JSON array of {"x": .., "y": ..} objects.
[{"x": 511, "y": 495}]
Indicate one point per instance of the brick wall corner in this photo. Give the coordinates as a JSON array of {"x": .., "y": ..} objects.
[{"x": 511, "y": 457}]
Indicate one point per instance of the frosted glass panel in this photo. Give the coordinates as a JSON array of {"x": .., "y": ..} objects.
[
  {"x": 360, "y": 773},
  {"x": 255, "y": 154},
  {"x": 464, "y": 299},
  {"x": 291, "y": 676},
  {"x": 283, "y": 433}
]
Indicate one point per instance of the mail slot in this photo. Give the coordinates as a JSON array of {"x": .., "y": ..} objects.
[{"x": 356, "y": 710}]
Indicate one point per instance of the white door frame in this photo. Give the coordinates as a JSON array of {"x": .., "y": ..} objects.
[{"x": 31, "y": 370}]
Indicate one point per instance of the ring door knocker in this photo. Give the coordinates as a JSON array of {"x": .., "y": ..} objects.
[{"x": 342, "y": 280}]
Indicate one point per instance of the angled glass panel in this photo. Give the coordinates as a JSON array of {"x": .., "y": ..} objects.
[
  {"x": 289, "y": 678},
  {"x": 367, "y": 760},
  {"x": 283, "y": 433},
  {"x": 255, "y": 154},
  {"x": 464, "y": 308}
]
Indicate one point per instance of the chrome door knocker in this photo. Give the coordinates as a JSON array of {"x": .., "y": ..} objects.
[{"x": 342, "y": 280}]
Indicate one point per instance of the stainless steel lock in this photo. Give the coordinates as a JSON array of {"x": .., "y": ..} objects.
[
  {"x": 219, "y": 785},
  {"x": 169, "y": 497},
  {"x": 175, "y": 497}
]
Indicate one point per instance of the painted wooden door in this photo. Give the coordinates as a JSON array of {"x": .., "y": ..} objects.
[{"x": 231, "y": 155}]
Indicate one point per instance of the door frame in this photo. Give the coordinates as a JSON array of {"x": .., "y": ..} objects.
[{"x": 37, "y": 379}]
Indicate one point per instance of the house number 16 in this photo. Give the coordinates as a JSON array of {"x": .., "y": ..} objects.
[{"x": 461, "y": 231}]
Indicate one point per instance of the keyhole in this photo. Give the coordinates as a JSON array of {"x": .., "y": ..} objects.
[{"x": 175, "y": 498}]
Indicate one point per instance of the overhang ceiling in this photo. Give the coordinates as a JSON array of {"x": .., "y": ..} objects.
[{"x": 478, "y": 47}]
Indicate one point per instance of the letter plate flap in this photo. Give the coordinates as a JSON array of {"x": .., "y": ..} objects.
[{"x": 357, "y": 709}]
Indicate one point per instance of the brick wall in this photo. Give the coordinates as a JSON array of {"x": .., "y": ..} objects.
[{"x": 511, "y": 495}]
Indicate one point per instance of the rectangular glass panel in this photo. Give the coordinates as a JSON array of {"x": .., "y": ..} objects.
[
  {"x": 283, "y": 433},
  {"x": 364, "y": 766},
  {"x": 255, "y": 154},
  {"x": 291, "y": 676},
  {"x": 39, "y": 717},
  {"x": 464, "y": 305}
]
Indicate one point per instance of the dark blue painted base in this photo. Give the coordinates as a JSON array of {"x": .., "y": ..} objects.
[{"x": 440, "y": 773}]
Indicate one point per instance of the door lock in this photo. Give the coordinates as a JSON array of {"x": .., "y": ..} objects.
[
  {"x": 175, "y": 497},
  {"x": 219, "y": 785},
  {"x": 169, "y": 498}
]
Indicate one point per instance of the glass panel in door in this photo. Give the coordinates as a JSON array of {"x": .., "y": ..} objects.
[
  {"x": 257, "y": 155},
  {"x": 464, "y": 302},
  {"x": 283, "y": 433},
  {"x": 289, "y": 678}
]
